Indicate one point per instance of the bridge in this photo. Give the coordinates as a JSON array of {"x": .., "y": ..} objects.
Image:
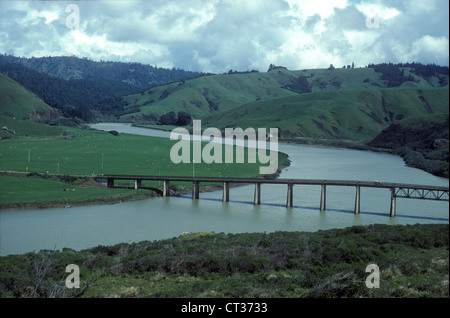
[{"x": 397, "y": 190}]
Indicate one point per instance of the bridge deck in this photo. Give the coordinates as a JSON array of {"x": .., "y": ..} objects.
[
  {"x": 401, "y": 190},
  {"x": 373, "y": 184}
]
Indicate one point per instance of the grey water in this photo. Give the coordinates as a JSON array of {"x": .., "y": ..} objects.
[{"x": 159, "y": 218}]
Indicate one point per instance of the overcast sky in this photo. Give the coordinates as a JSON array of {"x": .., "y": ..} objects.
[{"x": 219, "y": 35}]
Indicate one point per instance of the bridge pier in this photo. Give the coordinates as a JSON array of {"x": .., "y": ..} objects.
[
  {"x": 357, "y": 201},
  {"x": 393, "y": 202},
  {"x": 290, "y": 195},
  {"x": 323, "y": 198},
  {"x": 226, "y": 192},
  {"x": 166, "y": 188},
  {"x": 257, "y": 198},
  {"x": 138, "y": 184},
  {"x": 195, "y": 190},
  {"x": 110, "y": 183}
]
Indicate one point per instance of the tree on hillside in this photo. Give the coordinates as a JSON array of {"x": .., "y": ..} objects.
[
  {"x": 168, "y": 119},
  {"x": 183, "y": 118},
  {"x": 274, "y": 67}
]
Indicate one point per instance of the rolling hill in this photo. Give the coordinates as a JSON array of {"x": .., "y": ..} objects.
[
  {"x": 16, "y": 101},
  {"x": 205, "y": 95},
  {"x": 357, "y": 115},
  {"x": 17, "y": 106}
]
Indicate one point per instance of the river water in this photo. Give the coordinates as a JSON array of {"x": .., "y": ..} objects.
[{"x": 160, "y": 218}]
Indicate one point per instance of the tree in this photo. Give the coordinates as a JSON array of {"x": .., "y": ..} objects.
[
  {"x": 183, "y": 118},
  {"x": 168, "y": 119}
]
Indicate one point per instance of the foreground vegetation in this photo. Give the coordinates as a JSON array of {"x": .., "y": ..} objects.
[{"x": 413, "y": 262}]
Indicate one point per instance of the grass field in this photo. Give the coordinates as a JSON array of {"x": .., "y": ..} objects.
[
  {"x": 24, "y": 128},
  {"x": 35, "y": 191},
  {"x": 92, "y": 152}
]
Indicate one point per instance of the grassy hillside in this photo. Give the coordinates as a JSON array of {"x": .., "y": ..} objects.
[
  {"x": 18, "y": 102},
  {"x": 412, "y": 260},
  {"x": 356, "y": 115},
  {"x": 208, "y": 94},
  {"x": 423, "y": 141}
]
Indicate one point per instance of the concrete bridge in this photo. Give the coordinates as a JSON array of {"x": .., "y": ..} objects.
[{"x": 397, "y": 190}]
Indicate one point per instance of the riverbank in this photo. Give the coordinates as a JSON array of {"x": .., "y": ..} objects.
[
  {"x": 415, "y": 154},
  {"x": 64, "y": 187},
  {"x": 412, "y": 261},
  {"x": 413, "y": 158},
  {"x": 93, "y": 152}
]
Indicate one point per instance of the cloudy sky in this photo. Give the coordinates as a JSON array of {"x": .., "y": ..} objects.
[{"x": 219, "y": 35}]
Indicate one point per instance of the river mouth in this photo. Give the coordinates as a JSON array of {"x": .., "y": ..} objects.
[{"x": 81, "y": 227}]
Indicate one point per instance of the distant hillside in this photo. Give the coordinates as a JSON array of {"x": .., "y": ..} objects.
[
  {"x": 203, "y": 96},
  {"x": 77, "y": 87},
  {"x": 357, "y": 115},
  {"x": 16, "y": 101},
  {"x": 74, "y": 98},
  {"x": 73, "y": 68}
]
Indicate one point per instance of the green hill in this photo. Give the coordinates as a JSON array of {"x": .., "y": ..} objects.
[
  {"x": 356, "y": 115},
  {"x": 17, "y": 104},
  {"x": 205, "y": 95},
  {"x": 16, "y": 101}
]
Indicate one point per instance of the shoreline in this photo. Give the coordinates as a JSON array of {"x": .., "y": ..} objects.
[
  {"x": 324, "y": 143},
  {"x": 347, "y": 144},
  {"x": 113, "y": 199},
  {"x": 54, "y": 205}
]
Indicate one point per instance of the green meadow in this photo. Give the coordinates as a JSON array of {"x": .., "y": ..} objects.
[
  {"x": 37, "y": 191},
  {"x": 90, "y": 153}
]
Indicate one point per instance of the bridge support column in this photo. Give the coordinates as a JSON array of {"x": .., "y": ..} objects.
[
  {"x": 110, "y": 183},
  {"x": 166, "y": 188},
  {"x": 138, "y": 184},
  {"x": 357, "y": 200},
  {"x": 290, "y": 195},
  {"x": 195, "y": 190},
  {"x": 393, "y": 201},
  {"x": 323, "y": 198},
  {"x": 226, "y": 192},
  {"x": 257, "y": 199}
]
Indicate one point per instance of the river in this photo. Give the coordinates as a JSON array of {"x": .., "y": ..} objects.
[{"x": 82, "y": 227}]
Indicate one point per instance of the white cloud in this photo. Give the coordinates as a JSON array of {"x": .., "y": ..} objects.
[
  {"x": 430, "y": 49},
  {"x": 219, "y": 35},
  {"x": 378, "y": 10}
]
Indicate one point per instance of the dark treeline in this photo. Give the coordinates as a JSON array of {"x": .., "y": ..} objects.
[
  {"x": 79, "y": 86},
  {"x": 74, "y": 98},
  {"x": 395, "y": 75},
  {"x": 136, "y": 74}
]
